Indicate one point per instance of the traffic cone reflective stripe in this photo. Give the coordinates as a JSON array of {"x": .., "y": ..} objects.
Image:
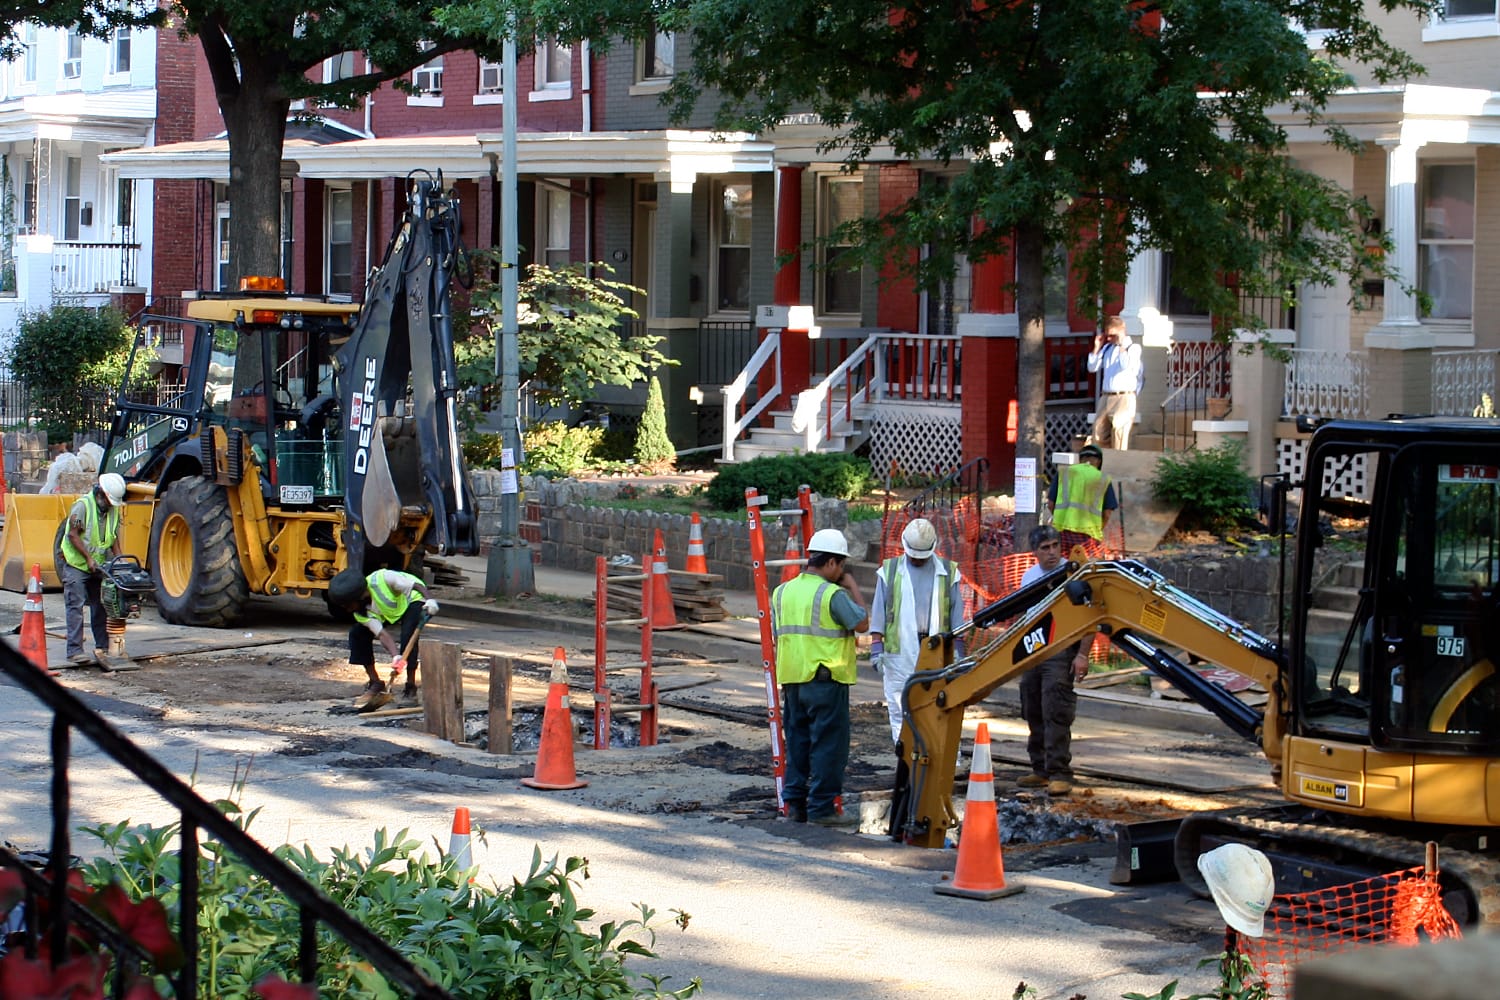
[
  {"x": 697, "y": 560},
  {"x": 792, "y": 569},
  {"x": 460, "y": 844},
  {"x": 980, "y": 873},
  {"x": 554, "y": 758},
  {"x": 34, "y": 622},
  {"x": 663, "y": 614}
]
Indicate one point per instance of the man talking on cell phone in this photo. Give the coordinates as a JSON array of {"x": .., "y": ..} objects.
[{"x": 1121, "y": 376}]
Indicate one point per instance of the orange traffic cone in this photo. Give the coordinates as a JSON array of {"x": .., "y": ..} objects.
[
  {"x": 460, "y": 844},
  {"x": 34, "y": 622},
  {"x": 794, "y": 552},
  {"x": 980, "y": 873},
  {"x": 697, "y": 560},
  {"x": 554, "y": 759},
  {"x": 663, "y": 614}
]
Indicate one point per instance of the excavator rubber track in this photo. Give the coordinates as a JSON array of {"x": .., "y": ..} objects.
[{"x": 1310, "y": 849}]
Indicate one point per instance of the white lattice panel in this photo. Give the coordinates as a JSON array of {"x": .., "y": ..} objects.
[
  {"x": 1342, "y": 479},
  {"x": 918, "y": 438}
]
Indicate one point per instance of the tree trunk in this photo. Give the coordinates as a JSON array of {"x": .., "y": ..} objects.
[
  {"x": 1031, "y": 366},
  {"x": 256, "y": 124}
]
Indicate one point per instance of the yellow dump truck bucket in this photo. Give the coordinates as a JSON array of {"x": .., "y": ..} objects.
[{"x": 30, "y": 532}]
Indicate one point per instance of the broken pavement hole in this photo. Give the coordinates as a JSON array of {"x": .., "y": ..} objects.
[
  {"x": 526, "y": 730},
  {"x": 1023, "y": 823}
]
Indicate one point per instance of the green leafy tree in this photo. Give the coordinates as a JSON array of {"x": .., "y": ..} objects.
[
  {"x": 1104, "y": 127},
  {"x": 572, "y": 335},
  {"x": 66, "y": 356},
  {"x": 92, "y": 17},
  {"x": 653, "y": 448},
  {"x": 260, "y": 54}
]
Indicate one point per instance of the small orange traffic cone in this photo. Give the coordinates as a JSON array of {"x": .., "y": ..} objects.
[
  {"x": 794, "y": 552},
  {"x": 980, "y": 873},
  {"x": 460, "y": 843},
  {"x": 554, "y": 759},
  {"x": 697, "y": 560},
  {"x": 663, "y": 614},
  {"x": 34, "y": 622}
]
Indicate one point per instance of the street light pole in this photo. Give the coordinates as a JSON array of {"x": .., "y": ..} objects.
[{"x": 509, "y": 571}]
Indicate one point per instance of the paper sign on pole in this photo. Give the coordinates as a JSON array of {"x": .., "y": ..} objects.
[
  {"x": 508, "y": 481},
  {"x": 1025, "y": 485}
]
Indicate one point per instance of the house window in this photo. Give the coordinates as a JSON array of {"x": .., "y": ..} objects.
[
  {"x": 72, "y": 196},
  {"x": 839, "y": 285},
  {"x": 125, "y": 207},
  {"x": 554, "y": 66},
  {"x": 491, "y": 79},
  {"x": 557, "y": 218},
  {"x": 428, "y": 77},
  {"x": 28, "y": 58},
  {"x": 73, "y": 55},
  {"x": 656, "y": 57},
  {"x": 1445, "y": 245},
  {"x": 28, "y": 196},
  {"x": 1055, "y": 284},
  {"x": 288, "y": 245},
  {"x": 221, "y": 237},
  {"x": 1175, "y": 301},
  {"x": 119, "y": 51},
  {"x": 1453, "y": 9},
  {"x": 340, "y": 270},
  {"x": 340, "y": 67},
  {"x": 733, "y": 236}
]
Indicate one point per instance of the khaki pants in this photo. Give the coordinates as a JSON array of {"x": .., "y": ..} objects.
[{"x": 1114, "y": 420}]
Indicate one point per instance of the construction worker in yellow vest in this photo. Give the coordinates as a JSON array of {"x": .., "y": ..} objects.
[
  {"x": 1083, "y": 498},
  {"x": 92, "y": 539},
  {"x": 916, "y": 594},
  {"x": 814, "y": 617},
  {"x": 385, "y": 597}
]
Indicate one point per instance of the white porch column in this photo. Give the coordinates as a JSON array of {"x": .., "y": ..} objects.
[{"x": 1401, "y": 225}]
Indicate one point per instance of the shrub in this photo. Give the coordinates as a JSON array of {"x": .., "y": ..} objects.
[
  {"x": 67, "y": 355},
  {"x": 529, "y": 939},
  {"x": 653, "y": 448},
  {"x": 482, "y": 449},
  {"x": 1212, "y": 486},
  {"x": 779, "y": 476},
  {"x": 556, "y": 447}
]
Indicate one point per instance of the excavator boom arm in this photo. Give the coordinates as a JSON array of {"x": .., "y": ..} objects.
[{"x": 1125, "y": 599}]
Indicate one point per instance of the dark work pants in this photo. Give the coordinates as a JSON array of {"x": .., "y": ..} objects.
[
  {"x": 362, "y": 642},
  {"x": 1049, "y": 705},
  {"x": 815, "y": 716},
  {"x": 80, "y": 593}
]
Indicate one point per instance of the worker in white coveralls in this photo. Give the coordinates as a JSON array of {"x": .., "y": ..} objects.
[{"x": 916, "y": 594}]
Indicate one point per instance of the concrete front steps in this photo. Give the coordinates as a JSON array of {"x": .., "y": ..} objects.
[{"x": 780, "y": 439}]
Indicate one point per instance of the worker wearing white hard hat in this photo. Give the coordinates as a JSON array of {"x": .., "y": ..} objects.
[
  {"x": 917, "y": 594},
  {"x": 1242, "y": 884},
  {"x": 814, "y": 617},
  {"x": 91, "y": 539}
]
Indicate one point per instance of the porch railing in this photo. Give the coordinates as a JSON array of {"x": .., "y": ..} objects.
[
  {"x": 1462, "y": 379},
  {"x": 1327, "y": 384},
  {"x": 744, "y": 400},
  {"x": 1199, "y": 373},
  {"x": 196, "y": 817},
  {"x": 899, "y": 366},
  {"x": 723, "y": 348},
  {"x": 92, "y": 268}
]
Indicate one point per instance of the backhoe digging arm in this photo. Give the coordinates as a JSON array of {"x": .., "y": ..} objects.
[{"x": 1126, "y": 600}]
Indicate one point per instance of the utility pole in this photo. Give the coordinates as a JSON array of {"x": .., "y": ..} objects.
[{"x": 509, "y": 571}]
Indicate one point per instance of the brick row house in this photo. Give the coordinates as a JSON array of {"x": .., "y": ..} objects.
[{"x": 698, "y": 218}]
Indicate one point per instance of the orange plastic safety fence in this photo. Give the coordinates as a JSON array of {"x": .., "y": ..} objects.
[{"x": 1385, "y": 910}]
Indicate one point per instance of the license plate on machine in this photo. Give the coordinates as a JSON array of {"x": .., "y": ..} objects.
[{"x": 296, "y": 494}]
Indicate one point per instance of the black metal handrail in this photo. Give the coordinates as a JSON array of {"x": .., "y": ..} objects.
[
  {"x": 195, "y": 814},
  {"x": 968, "y": 480},
  {"x": 1187, "y": 403}
]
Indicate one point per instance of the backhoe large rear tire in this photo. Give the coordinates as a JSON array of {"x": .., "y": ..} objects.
[{"x": 195, "y": 562}]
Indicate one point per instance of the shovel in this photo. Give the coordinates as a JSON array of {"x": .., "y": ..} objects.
[{"x": 383, "y": 698}]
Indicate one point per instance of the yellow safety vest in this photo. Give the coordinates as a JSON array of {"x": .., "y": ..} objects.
[
  {"x": 389, "y": 605},
  {"x": 99, "y": 536},
  {"x": 1080, "y": 500},
  {"x": 807, "y": 634},
  {"x": 942, "y": 584}
]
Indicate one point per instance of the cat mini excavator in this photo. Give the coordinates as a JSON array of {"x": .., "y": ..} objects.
[
  {"x": 1382, "y": 723},
  {"x": 307, "y": 436}
]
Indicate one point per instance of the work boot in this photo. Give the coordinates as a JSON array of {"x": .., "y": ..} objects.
[
  {"x": 835, "y": 820},
  {"x": 1059, "y": 787},
  {"x": 409, "y": 693},
  {"x": 1032, "y": 781},
  {"x": 796, "y": 811}
]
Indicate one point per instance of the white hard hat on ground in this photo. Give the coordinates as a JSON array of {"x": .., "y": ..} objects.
[
  {"x": 829, "y": 540},
  {"x": 113, "y": 485},
  {"x": 1242, "y": 885},
  {"x": 919, "y": 539}
]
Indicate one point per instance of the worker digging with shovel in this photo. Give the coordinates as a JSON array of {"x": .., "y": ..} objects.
[{"x": 386, "y": 597}]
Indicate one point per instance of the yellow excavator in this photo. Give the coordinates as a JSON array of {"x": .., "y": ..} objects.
[
  {"x": 1382, "y": 724},
  {"x": 306, "y": 436}
]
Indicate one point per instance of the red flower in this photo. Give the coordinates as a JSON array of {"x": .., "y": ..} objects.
[
  {"x": 81, "y": 978},
  {"x": 273, "y": 987},
  {"x": 145, "y": 923}
]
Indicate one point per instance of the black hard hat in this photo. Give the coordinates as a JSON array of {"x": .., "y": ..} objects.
[
  {"x": 347, "y": 589},
  {"x": 1091, "y": 449}
]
